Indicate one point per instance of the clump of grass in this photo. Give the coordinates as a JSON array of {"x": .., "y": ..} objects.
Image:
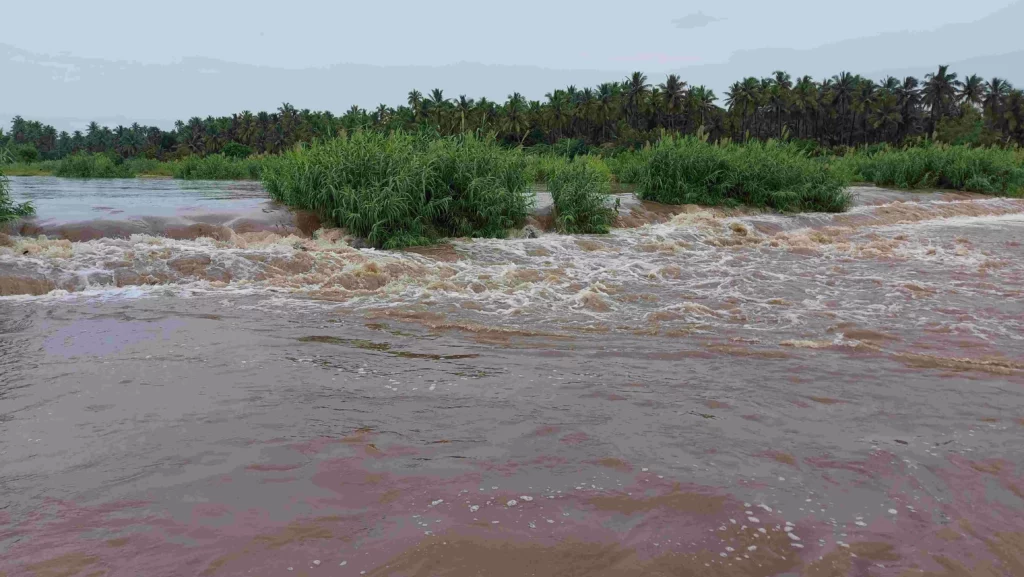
[
  {"x": 984, "y": 170},
  {"x": 92, "y": 166},
  {"x": 217, "y": 167},
  {"x": 10, "y": 210},
  {"x": 627, "y": 167},
  {"x": 770, "y": 175},
  {"x": 40, "y": 168},
  {"x": 580, "y": 189},
  {"x": 541, "y": 166},
  {"x": 401, "y": 190}
]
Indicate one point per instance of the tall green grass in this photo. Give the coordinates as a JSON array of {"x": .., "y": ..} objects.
[
  {"x": 10, "y": 210},
  {"x": 401, "y": 190},
  {"x": 41, "y": 168},
  {"x": 627, "y": 167},
  {"x": 541, "y": 166},
  {"x": 103, "y": 166},
  {"x": 92, "y": 166},
  {"x": 771, "y": 175},
  {"x": 217, "y": 167},
  {"x": 580, "y": 190},
  {"x": 984, "y": 170}
]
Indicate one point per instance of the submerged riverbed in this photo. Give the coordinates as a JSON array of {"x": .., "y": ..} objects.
[{"x": 706, "y": 392}]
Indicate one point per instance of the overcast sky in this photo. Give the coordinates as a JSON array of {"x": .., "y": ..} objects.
[{"x": 653, "y": 35}]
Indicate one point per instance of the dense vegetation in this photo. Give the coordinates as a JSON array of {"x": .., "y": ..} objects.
[
  {"x": 687, "y": 170},
  {"x": 9, "y": 210},
  {"x": 985, "y": 170},
  {"x": 399, "y": 189},
  {"x": 580, "y": 189},
  {"x": 412, "y": 174},
  {"x": 845, "y": 110}
]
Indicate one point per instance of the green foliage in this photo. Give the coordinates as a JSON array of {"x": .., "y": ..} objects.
[
  {"x": 772, "y": 175},
  {"x": 10, "y": 210},
  {"x": 967, "y": 129},
  {"x": 985, "y": 170},
  {"x": 236, "y": 150},
  {"x": 401, "y": 190},
  {"x": 217, "y": 167},
  {"x": 43, "y": 168},
  {"x": 541, "y": 166},
  {"x": 24, "y": 153},
  {"x": 626, "y": 166},
  {"x": 580, "y": 189},
  {"x": 92, "y": 166}
]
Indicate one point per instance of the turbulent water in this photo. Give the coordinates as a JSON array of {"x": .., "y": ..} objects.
[{"x": 701, "y": 392}]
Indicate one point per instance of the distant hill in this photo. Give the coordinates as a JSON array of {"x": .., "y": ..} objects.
[
  {"x": 981, "y": 47},
  {"x": 69, "y": 91}
]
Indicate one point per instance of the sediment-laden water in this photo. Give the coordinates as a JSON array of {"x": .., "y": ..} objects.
[{"x": 702, "y": 392}]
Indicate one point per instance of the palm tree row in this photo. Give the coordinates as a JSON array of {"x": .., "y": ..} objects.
[{"x": 845, "y": 109}]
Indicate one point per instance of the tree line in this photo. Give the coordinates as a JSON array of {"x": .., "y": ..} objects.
[{"x": 844, "y": 110}]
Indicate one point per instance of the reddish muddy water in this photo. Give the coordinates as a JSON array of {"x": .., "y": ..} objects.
[{"x": 711, "y": 393}]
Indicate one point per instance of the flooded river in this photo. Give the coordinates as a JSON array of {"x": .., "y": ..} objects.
[{"x": 199, "y": 386}]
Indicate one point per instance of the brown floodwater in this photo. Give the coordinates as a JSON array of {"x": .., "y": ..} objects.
[{"x": 705, "y": 392}]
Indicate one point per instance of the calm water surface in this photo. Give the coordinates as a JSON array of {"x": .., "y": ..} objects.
[{"x": 708, "y": 394}]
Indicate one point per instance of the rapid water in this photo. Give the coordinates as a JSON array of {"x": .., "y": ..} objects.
[{"x": 703, "y": 392}]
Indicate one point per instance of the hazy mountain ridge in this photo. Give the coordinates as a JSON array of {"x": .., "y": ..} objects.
[{"x": 68, "y": 91}]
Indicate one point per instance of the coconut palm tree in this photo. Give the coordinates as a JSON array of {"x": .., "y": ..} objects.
[
  {"x": 636, "y": 86},
  {"x": 939, "y": 93},
  {"x": 972, "y": 91},
  {"x": 514, "y": 123},
  {"x": 673, "y": 92}
]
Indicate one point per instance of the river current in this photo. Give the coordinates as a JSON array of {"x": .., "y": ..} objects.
[{"x": 195, "y": 381}]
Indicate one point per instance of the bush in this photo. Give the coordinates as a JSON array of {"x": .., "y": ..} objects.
[
  {"x": 772, "y": 175},
  {"x": 10, "y": 210},
  {"x": 217, "y": 167},
  {"x": 24, "y": 153},
  {"x": 236, "y": 150},
  {"x": 985, "y": 170},
  {"x": 92, "y": 166},
  {"x": 580, "y": 190},
  {"x": 400, "y": 190}
]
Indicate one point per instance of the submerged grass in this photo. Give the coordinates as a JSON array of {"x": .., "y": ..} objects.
[
  {"x": 580, "y": 189},
  {"x": 773, "y": 175},
  {"x": 401, "y": 190},
  {"x": 984, "y": 170}
]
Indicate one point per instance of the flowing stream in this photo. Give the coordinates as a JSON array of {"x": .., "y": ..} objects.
[{"x": 191, "y": 383}]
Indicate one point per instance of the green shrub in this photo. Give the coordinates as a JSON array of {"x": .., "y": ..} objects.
[
  {"x": 985, "y": 170},
  {"x": 580, "y": 190},
  {"x": 236, "y": 150},
  {"x": 92, "y": 166},
  {"x": 772, "y": 175},
  {"x": 400, "y": 190},
  {"x": 10, "y": 210},
  {"x": 24, "y": 153},
  {"x": 217, "y": 167}
]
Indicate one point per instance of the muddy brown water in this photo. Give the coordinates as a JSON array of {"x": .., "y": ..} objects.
[{"x": 712, "y": 394}]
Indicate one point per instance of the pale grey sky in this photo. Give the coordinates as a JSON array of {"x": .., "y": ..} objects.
[
  {"x": 556, "y": 34},
  {"x": 121, "y": 61}
]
